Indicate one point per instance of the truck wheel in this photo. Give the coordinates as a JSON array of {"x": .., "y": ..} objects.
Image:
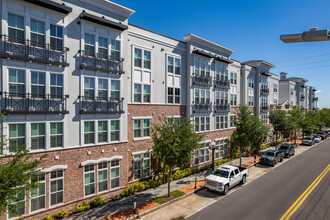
[
  {"x": 225, "y": 190},
  {"x": 273, "y": 164},
  {"x": 243, "y": 180},
  {"x": 281, "y": 159}
]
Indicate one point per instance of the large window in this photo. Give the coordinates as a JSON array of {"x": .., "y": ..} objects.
[
  {"x": 221, "y": 148},
  {"x": 142, "y": 75},
  {"x": 102, "y": 176},
  {"x": 221, "y": 122},
  {"x": 202, "y": 154},
  {"x": 138, "y": 128},
  {"x": 38, "y": 136},
  {"x": 102, "y": 131},
  {"x": 146, "y": 93},
  {"x": 147, "y": 60},
  {"x": 221, "y": 98},
  {"x": 16, "y": 136},
  {"x": 146, "y": 165},
  {"x": 115, "y": 49},
  {"x": 56, "y": 37},
  {"x": 89, "y": 179},
  {"x": 38, "y": 195},
  {"x": 233, "y": 99},
  {"x": 38, "y": 81},
  {"x": 56, "y": 187},
  {"x": 56, "y": 134},
  {"x": 89, "y": 45},
  {"x": 16, "y": 28},
  {"x": 137, "y": 93},
  {"x": 18, "y": 203},
  {"x": 202, "y": 123},
  {"x": 173, "y": 80},
  {"x": 89, "y": 88},
  {"x": 233, "y": 78},
  {"x": 103, "y": 48},
  {"x": 137, "y": 167},
  {"x": 16, "y": 82},
  {"x": 37, "y": 30},
  {"x": 56, "y": 85},
  {"x": 115, "y": 174},
  {"x": 137, "y": 57},
  {"x": 202, "y": 96},
  {"x": 232, "y": 121},
  {"x": 102, "y": 89},
  {"x": 89, "y": 132},
  {"x": 146, "y": 127},
  {"x": 173, "y": 95},
  {"x": 115, "y": 130},
  {"x": 141, "y": 165},
  {"x": 115, "y": 89}
]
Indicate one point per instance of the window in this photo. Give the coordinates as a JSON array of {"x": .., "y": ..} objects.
[
  {"x": 275, "y": 87},
  {"x": 137, "y": 167},
  {"x": 115, "y": 50},
  {"x": 137, "y": 57},
  {"x": 197, "y": 124},
  {"x": 251, "y": 83},
  {"x": 233, "y": 99},
  {"x": 56, "y": 135},
  {"x": 233, "y": 78},
  {"x": 38, "y": 84},
  {"x": 202, "y": 154},
  {"x": 115, "y": 130},
  {"x": 217, "y": 149},
  {"x": 16, "y": 136},
  {"x": 102, "y": 130},
  {"x": 137, "y": 93},
  {"x": 115, "y": 174},
  {"x": 146, "y": 127},
  {"x": 232, "y": 121},
  {"x": 19, "y": 203},
  {"x": 170, "y": 95},
  {"x": 89, "y": 180},
  {"x": 103, "y": 48},
  {"x": 170, "y": 65},
  {"x": 177, "y": 66},
  {"x": 221, "y": 122},
  {"x": 37, "y": 31},
  {"x": 146, "y": 165},
  {"x": 115, "y": 89},
  {"x": 224, "y": 148},
  {"x": 56, "y": 187},
  {"x": 202, "y": 96},
  {"x": 251, "y": 101},
  {"x": 56, "y": 85},
  {"x": 102, "y": 89},
  {"x": 89, "y": 88},
  {"x": 137, "y": 128},
  {"x": 89, "y": 132},
  {"x": 146, "y": 93},
  {"x": 202, "y": 123},
  {"x": 38, "y": 195},
  {"x": 89, "y": 45},
  {"x": 16, "y": 28},
  {"x": 207, "y": 152},
  {"x": 56, "y": 37},
  {"x": 38, "y": 136},
  {"x": 102, "y": 177},
  {"x": 177, "y": 96},
  {"x": 291, "y": 91},
  {"x": 196, "y": 96},
  {"x": 147, "y": 59},
  {"x": 16, "y": 82}
]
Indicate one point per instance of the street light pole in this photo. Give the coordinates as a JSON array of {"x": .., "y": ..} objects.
[
  {"x": 307, "y": 36},
  {"x": 212, "y": 147}
]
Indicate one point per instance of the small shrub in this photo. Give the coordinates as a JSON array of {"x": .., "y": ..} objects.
[
  {"x": 61, "y": 214},
  {"x": 135, "y": 187},
  {"x": 205, "y": 167},
  {"x": 177, "y": 193},
  {"x": 98, "y": 200},
  {"x": 48, "y": 217},
  {"x": 116, "y": 197},
  {"x": 159, "y": 200},
  {"x": 194, "y": 170},
  {"x": 81, "y": 208}
]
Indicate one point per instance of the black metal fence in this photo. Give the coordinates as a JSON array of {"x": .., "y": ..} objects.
[{"x": 98, "y": 105}]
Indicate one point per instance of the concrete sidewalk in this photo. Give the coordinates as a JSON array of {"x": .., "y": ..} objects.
[{"x": 142, "y": 197}]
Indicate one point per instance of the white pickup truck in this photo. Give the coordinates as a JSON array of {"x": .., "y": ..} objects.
[{"x": 225, "y": 178}]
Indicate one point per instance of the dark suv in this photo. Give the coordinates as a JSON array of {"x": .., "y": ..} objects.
[
  {"x": 287, "y": 150},
  {"x": 322, "y": 134},
  {"x": 271, "y": 157}
]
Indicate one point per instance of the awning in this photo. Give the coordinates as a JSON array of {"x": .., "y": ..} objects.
[
  {"x": 51, "y": 5},
  {"x": 103, "y": 21}
]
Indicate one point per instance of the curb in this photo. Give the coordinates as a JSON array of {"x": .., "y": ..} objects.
[{"x": 162, "y": 205}]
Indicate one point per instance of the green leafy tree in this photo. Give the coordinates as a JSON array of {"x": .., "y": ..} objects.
[
  {"x": 278, "y": 119},
  {"x": 174, "y": 144},
  {"x": 16, "y": 171},
  {"x": 308, "y": 124},
  {"x": 259, "y": 132},
  {"x": 295, "y": 120}
]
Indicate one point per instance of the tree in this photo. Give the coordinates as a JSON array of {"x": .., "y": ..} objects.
[
  {"x": 259, "y": 132},
  {"x": 16, "y": 172},
  {"x": 278, "y": 119},
  {"x": 296, "y": 117},
  {"x": 174, "y": 144}
]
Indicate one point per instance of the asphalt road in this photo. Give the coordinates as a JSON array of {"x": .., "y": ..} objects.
[{"x": 271, "y": 195}]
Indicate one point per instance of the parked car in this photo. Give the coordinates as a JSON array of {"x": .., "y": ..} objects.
[
  {"x": 322, "y": 134},
  {"x": 287, "y": 150},
  {"x": 225, "y": 178},
  {"x": 271, "y": 157},
  {"x": 308, "y": 140},
  {"x": 317, "y": 138}
]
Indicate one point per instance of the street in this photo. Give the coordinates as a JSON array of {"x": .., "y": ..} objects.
[{"x": 271, "y": 195}]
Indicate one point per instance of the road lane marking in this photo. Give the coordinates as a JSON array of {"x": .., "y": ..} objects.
[{"x": 305, "y": 194}]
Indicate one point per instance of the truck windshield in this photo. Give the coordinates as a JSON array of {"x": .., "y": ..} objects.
[
  {"x": 221, "y": 173},
  {"x": 284, "y": 147},
  {"x": 270, "y": 154}
]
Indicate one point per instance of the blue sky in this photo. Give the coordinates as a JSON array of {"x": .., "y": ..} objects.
[{"x": 251, "y": 29}]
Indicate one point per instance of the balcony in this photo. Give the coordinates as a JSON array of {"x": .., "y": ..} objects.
[
  {"x": 221, "y": 108},
  {"x": 264, "y": 109},
  {"x": 221, "y": 83},
  {"x": 101, "y": 63},
  {"x": 97, "y": 105},
  {"x": 302, "y": 97},
  {"x": 28, "y": 104},
  {"x": 202, "y": 80},
  {"x": 202, "y": 108},
  {"x": 264, "y": 91},
  {"x": 26, "y": 50}
]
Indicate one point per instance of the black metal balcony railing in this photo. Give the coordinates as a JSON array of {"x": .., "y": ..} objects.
[
  {"x": 102, "y": 63},
  {"x": 264, "y": 91},
  {"x": 28, "y": 104},
  {"x": 97, "y": 105},
  {"x": 26, "y": 50},
  {"x": 199, "y": 108},
  {"x": 221, "y": 108},
  {"x": 264, "y": 108},
  {"x": 202, "y": 80},
  {"x": 221, "y": 83}
]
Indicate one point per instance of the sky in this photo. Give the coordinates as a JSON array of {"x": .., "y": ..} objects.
[{"x": 251, "y": 28}]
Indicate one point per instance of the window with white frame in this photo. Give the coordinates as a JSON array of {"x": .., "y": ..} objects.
[
  {"x": 38, "y": 84},
  {"x": 56, "y": 85},
  {"x": 147, "y": 59},
  {"x": 102, "y": 177},
  {"x": 221, "y": 98},
  {"x": 115, "y": 174},
  {"x": 89, "y": 88},
  {"x": 202, "y": 123},
  {"x": 137, "y": 167},
  {"x": 38, "y": 136},
  {"x": 221, "y": 71},
  {"x": 56, "y": 187},
  {"x": 89, "y": 129},
  {"x": 16, "y": 82},
  {"x": 56, "y": 134},
  {"x": 142, "y": 77},
  {"x": 173, "y": 80},
  {"x": 16, "y": 136},
  {"x": 16, "y": 28},
  {"x": 233, "y": 78},
  {"x": 103, "y": 48},
  {"x": 264, "y": 118},
  {"x": 251, "y": 101},
  {"x": 141, "y": 165},
  {"x": 221, "y": 122},
  {"x": 115, "y": 89},
  {"x": 202, "y": 67},
  {"x": 202, "y": 154},
  {"x": 102, "y": 131},
  {"x": 115, "y": 50},
  {"x": 250, "y": 82},
  {"x": 232, "y": 121},
  {"x": 233, "y": 99},
  {"x": 275, "y": 88},
  {"x": 115, "y": 130},
  {"x": 141, "y": 128},
  {"x": 146, "y": 164},
  {"x": 38, "y": 195},
  {"x": 102, "y": 89},
  {"x": 202, "y": 96},
  {"x": 37, "y": 31},
  {"x": 89, "y": 45},
  {"x": 18, "y": 203},
  {"x": 137, "y": 128},
  {"x": 224, "y": 148},
  {"x": 56, "y": 37},
  {"x": 89, "y": 179}
]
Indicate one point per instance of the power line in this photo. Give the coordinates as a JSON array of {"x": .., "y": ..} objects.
[
  {"x": 302, "y": 64},
  {"x": 315, "y": 67}
]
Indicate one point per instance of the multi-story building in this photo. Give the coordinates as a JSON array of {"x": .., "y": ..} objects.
[{"x": 82, "y": 85}]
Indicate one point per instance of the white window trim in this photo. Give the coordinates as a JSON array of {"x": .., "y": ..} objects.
[
  {"x": 49, "y": 196},
  {"x": 95, "y": 181},
  {"x": 30, "y": 198}
]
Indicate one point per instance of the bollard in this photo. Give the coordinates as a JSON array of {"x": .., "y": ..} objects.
[
  {"x": 195, "y": 183},
  {"x": 255, "y": 160},
  {"x": 135, "y": 211}
]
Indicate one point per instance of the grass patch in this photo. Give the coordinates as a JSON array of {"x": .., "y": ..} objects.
[
  {"x": 177, "y": 193},
  {"x": 159, "y": 200}
]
